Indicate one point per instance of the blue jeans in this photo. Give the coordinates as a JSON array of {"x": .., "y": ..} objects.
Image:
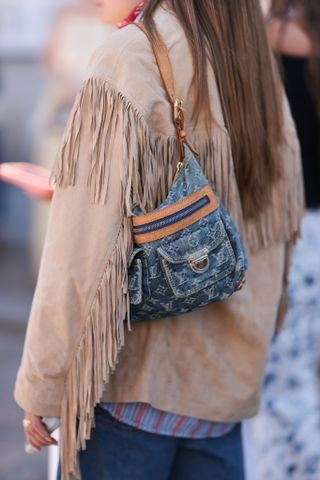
[{"x": 117, "y": 451}]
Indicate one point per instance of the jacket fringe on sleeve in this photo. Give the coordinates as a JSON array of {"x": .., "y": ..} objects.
[
  {"x": 147, "y": 172},
  {"x": 149, "y": 166},
  {"x": 97, "y": 354}
]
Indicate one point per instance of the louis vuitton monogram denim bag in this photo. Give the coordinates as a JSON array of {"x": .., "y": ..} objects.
[{"x": 187, "y": 253}]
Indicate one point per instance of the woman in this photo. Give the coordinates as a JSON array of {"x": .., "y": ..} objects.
[
  {"x": 204, "y": 368},
  {"x": 292, "y": 391}
]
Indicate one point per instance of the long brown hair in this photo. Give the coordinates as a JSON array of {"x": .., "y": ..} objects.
[
  {"x": 231, "y": 35},
  {"x": 308, "y": 13}
]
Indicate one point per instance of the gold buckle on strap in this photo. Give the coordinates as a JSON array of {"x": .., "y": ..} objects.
[
  {"x": 241, "y": 284},
  {"x": 179, "y": 118}
]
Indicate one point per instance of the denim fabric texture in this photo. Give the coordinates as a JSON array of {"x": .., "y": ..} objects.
[
  {"x": 117, "y": 451},
  {"x": 161, "y": 280}
]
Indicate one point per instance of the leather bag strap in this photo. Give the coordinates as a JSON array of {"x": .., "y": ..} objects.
[
  {"x": 162, "y": 58},
  {"x": 163, "y": 61}
]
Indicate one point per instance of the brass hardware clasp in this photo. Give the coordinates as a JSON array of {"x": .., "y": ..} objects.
[
  {"x": 200, "y": 265},
  {"x": 179, "y": 120},
  {"x": 179, "y": 166},
  {"x": 178, "y": 110},
  {"x": 241, "y": 284}
]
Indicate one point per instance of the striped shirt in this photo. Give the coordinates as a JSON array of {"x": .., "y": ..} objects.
[{"x": 145, "y": 417}]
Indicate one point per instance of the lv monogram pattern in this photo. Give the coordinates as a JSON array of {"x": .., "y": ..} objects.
[{"x": 201, "y": 264}]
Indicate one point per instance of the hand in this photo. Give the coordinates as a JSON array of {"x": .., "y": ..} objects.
[{"x": 36, "y": 433}]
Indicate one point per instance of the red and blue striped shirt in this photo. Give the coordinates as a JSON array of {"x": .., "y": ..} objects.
[{"x": 152, "y": 420}]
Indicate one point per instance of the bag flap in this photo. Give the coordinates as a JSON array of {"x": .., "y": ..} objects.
[{"x": 190, "y": 247}]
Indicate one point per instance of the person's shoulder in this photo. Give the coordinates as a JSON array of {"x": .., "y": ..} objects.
[
  {"x": 125, "y": 68},
  {"x": 127, "y": 55},
  {"x": 121, "y": 53}
]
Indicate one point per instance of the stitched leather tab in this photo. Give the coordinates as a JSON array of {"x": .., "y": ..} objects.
[{"x": 168, "y": 220}]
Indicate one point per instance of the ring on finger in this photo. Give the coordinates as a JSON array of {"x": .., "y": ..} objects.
[{"x": 26, "y": 422}]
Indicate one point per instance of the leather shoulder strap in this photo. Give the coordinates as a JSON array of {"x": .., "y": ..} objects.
[
  {"x": 162, "y": 58},
  {"x": 163, "y": 61}
]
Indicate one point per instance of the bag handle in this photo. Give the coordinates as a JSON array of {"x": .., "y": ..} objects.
[{"x": 162, "y": 59}]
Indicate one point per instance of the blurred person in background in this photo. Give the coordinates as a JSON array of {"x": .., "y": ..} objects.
[
  {"x": 290, "y": 410},
  {"x": 2, "y": 185},
  {"x": 75, "y": 35},
  {"x": 265, "y": 4},
  {"x": 179, "y": 389}
]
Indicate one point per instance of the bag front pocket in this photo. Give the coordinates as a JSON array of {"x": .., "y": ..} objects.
[{"x": 197, "y": 260}]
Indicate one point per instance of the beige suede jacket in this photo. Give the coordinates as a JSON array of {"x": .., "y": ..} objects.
[{"x": 118, "y": 151}]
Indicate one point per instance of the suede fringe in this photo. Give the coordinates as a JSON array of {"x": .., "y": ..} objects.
[
  {"x": 147, "y": 167},
  {"x": 97, "y": 354},
  {"x": 149, "y": 161},
  {"x": 281, "y": 220}
]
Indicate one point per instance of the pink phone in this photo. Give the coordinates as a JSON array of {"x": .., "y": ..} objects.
[{"x": 34, "y": 180}]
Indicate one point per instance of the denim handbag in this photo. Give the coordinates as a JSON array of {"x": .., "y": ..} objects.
[{"x": 187, "y": 253}]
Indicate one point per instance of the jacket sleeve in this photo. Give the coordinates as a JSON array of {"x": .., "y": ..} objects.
[
  {"x": 82, "y": 241},
  {"x": 76, "y": 324}
]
